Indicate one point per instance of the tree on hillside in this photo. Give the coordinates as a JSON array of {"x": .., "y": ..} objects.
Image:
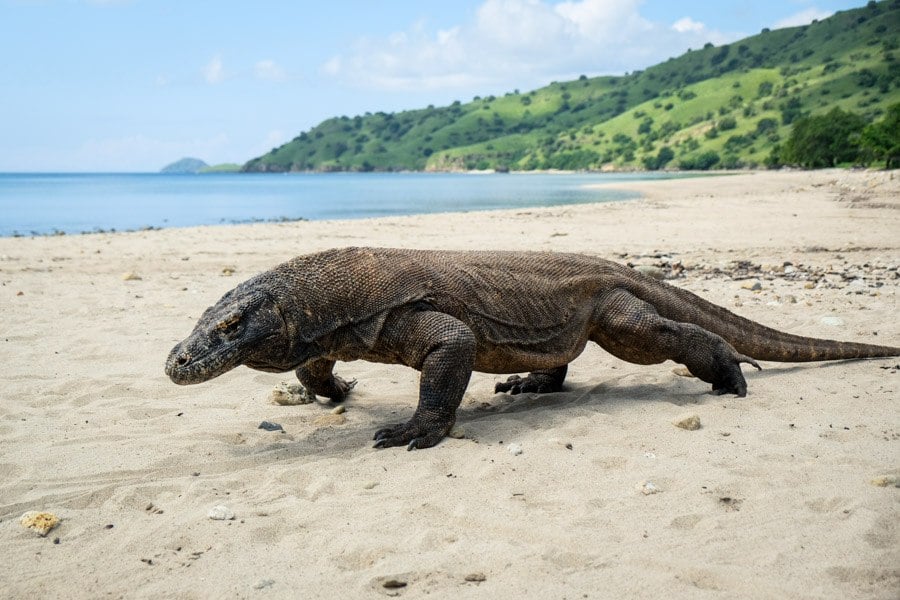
[
  {"x": 824, "y": 140},
  {"x": 701, "y": 162},
  {"x": 663, "y": 157},
  {"x": 881, "y": 140}
]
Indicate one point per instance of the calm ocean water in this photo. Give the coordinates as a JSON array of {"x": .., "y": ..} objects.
[{"x": 74, "y": 203}]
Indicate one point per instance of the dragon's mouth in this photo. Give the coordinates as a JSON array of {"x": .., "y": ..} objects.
[{"x": 185, "y": 366}]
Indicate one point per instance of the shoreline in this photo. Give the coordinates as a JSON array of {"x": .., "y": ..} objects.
[
  {"x": 93, "y": 203},
  {"x": 635, "y": 186},
  {"x": 785, "y": 493}
]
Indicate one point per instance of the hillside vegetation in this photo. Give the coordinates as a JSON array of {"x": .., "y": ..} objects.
[{"x": 729, "y": 106}]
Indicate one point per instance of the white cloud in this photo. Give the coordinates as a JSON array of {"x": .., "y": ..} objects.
[
  {"x": 517, "y": 43},
  {"x": 687, "y": 24},
  {"x": 214, "y": 71},
  {"x": 804, "y": 17},
  {"x": 269, "y": 70}
]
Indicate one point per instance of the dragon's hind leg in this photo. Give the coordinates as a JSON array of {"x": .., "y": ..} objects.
[{"x": 632, "y": 330}]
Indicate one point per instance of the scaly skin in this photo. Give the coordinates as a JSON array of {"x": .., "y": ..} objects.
[{"x": 449, "y": 313}]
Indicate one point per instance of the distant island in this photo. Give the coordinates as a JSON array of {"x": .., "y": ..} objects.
[
  {"x": 193, "y": 166},
  {"x": 821, "y": 95},
  {"x": 185, "y": 165}
]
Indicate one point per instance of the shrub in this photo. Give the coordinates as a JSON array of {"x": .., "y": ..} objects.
[
  {"x": 701, "y": 162},
  {"x": 881, "y": 140},
  {"x": 726, "y": 123},
  {"x": 824, "y": 140},
  {"x": 662, "y": 158}
]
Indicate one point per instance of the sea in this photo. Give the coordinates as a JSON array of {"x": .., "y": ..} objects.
[{"x": 65, "y": 203}]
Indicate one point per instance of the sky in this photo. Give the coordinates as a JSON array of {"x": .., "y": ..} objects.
[{"x": 132, "y": 85}]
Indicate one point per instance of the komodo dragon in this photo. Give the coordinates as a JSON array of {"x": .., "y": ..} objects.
[{"x": 449, "y": 313}]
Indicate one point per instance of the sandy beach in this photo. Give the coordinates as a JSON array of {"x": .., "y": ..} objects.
[{"x": 787, "y": 493}]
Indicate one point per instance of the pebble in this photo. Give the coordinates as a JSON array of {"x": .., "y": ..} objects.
[
  {"x": 39, "y": 522},
  {"x": 514, "y": 449},
  {"x": 753, "y": 286},
  {"x": 131, "y": 276},
  {"x": 832, "y": 321},
  {"x": 476, "y": 577},
  {"x": 263, "y": 584},
  {"x": 338, "y": 410},
  {"x": 689, "y": 422},
  {"x": 270, "y": 426},
  {"x": 393, "y": 584},
  {"x": 291, "y": 394},
  {"x": 650, "y": 271},
  {"x": 220, "y": 513},
  {"x": 648, "y": 487},
  {"x": 457, "y": 433},
  {"x": 887, "y": 481}
]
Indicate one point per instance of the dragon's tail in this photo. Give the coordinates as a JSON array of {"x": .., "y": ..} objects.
[{"x": 749, "y": 337}]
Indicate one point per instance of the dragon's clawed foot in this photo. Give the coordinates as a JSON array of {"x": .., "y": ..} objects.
[
  {"x": 728, "y": 378},
  {"x": 540, "y": 383},
  {"x": 421, "y": 431},
  {"x": 341, "y": 387}
]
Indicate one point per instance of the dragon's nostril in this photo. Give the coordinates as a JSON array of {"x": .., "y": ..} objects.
[{"x": 183, "y": 360}]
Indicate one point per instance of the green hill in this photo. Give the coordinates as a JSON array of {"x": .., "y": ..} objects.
[
  {"x": 725, "y": 106},
  {"x": 221, "y": 168}
]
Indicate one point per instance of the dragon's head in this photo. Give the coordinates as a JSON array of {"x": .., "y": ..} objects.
[{"x": 245, "y": 327}]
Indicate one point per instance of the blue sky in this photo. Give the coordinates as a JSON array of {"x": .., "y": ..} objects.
[{"x": 131, "y": 85}]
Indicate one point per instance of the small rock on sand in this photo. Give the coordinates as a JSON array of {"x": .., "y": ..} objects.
[
  {"x": 457, "y": 433},
  {"x": 39, "y": 522},
  {"x": 514, "y": 449},
  {"x": 291, "y": 394},
  {"x": 887, "y": 481},
  {"x": 753, "y": 286},
  {"x": 688, "y": 422},
  {"x": 648, "y": 487},
  {"x": 651, "y": 271},
  {"x": 220, "y": 513},
  {"x": 270, "y": 426}
]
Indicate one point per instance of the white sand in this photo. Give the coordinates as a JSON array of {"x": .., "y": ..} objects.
[{"x": 771, "y": 498}]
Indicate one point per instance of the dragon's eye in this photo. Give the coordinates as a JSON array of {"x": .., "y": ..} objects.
[{"x": 229, "y": 323}]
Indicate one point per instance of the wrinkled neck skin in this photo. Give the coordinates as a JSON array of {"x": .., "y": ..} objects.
[{"x": 246, "y": 327}]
